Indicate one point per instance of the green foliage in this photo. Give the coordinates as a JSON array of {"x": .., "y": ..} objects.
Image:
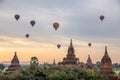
[
  {"x": 98, "y": 64},
  {"x": 117, "y": 71},
  {"x": 50, "y": 72},
  {"x": 61, "y": 76},
  {"x": 116, "y": 66},
  {"x": 2, "y": 66},
  {"x": 34, "y": 62}
]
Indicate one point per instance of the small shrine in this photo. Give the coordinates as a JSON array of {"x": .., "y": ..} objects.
[
  {"x": 89, "y": 63},
  {"x": 14, "y": 64}
]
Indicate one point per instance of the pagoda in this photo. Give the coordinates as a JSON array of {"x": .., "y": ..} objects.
[
  {"x": 89, "y": 63},
  {"x": 14, "y": 64},
  {"x": 106, "y": 67},
  {"x": 70, "y": 58},
  {"x": 54, "y": 63}
]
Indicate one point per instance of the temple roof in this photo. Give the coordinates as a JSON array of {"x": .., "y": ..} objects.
[
  {"x": 71, "y": 47},
  {"x": 70, "y": 58},
  {"x": 89, "y": 59},
  {"x": 14, "y": 64},
  {"x": 106, "y": 57},
  {"x": 106, "y": 61},
  {"x": 106, "y": 67},
  {"x": 71, "y": 43},
  {"x": 106, "y": 53},
  {"x": 15, "y": 59}
]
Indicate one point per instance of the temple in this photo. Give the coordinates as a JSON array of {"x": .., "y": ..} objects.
[
  {"x": 106, "y": 67},
  {"x": 14, "y": 64},
  {"x": 70, "y": 58},
  {"x": 89, "y": 63}
]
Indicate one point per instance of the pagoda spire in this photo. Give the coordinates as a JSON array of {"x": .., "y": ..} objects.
[
  {"x": 15, "y": 58},
  {"x": 15, "y": 53},
  {"x": 71, "y": 48},
  {"x": 89, "y": 59},
  {"x": 88, "y": 55},
  {"x": 106, "y": 50},
  {"x": 71, "y": 45},
  {"x": 54, "y": 62},
  {"x": 71, "y": 42},
  {"x": 14, "y": 64}
]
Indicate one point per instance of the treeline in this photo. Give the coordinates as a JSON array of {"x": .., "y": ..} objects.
[
  {"x": 116, "y": 66},
  {"x": 51, "y": 72}
]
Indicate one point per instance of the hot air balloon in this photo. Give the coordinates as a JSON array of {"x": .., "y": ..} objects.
[
  {"x": 27, "y": 35},
  {"x": 32, "y": 22},
  {"x": 17, "y": 16},
  {"x": 89, "y": 44},
  {"x": 56, "y": 25},
  {"x": 101, "y": 17},
  {"x": 58, "y": 46}
]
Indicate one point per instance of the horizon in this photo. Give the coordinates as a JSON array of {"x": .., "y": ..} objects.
[{"x": 60, "y": 60}]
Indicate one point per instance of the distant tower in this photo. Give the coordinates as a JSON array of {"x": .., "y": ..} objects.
[
  {"x": 70, "y": 58},
  {"x": 14, "y": 64},
  {"x": 89, "y": 62},
  {"x": 106, "y": 67},
  {"x": 54, "y": 62}
]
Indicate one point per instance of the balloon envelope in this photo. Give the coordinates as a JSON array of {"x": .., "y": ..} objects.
[
  {"x": 89, "y": 44},
  {"x": 32, "y": 22},
  {"x": 27, "y": 35},
  {"x": 101, "y": 17},
  {"x": 17, "y": 16},
  {"x": 58, "y": 46},
  {"x": 56, "y": 25}
]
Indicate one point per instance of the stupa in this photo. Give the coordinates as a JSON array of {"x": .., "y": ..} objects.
[
  {"x": 14, "y": 64},
  {"x": 70, "y": 58},
  {"x": 106, "y": 67}
]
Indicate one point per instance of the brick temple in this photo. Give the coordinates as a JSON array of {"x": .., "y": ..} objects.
[
  {"x": 14, "y": 64},
  {"x": 70, "y": 58},
  {"x": 106, "y": 67}
]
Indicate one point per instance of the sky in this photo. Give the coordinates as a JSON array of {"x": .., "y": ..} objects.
[{"x": 78, "y": 20}]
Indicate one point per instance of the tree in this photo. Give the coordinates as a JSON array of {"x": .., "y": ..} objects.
[
  {"x": 34, "y": 62},
  {"x": 98, "y": 64},
  {"x": 2, "y": 66},
  {"x": 54, "y": 73},
  {"x": 115, "y": 66}
]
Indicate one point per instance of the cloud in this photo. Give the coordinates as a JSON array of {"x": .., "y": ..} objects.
[{"x": 78, "y": 19}]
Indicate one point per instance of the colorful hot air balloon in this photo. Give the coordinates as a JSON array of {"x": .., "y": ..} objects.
[
  {"x": 58, "y": 46},
  {"x": 55, "y": 25},
  {"x": 32, "y": 22},
  {"x": 101, "y": 17},
  {"x": 17, "y": 16},
  {"x": 89, "y": 44},
  {"x": 27, "y": 35}
]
